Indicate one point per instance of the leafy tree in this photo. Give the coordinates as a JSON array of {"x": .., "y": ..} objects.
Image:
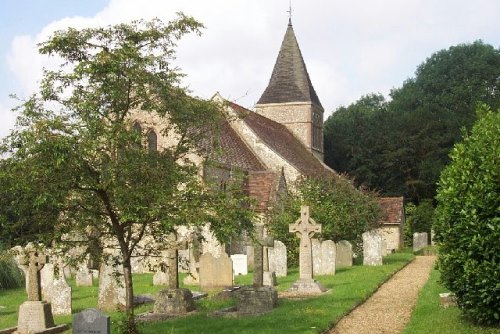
[
  {"x": 344, "y": 211},
  {"x": 468, "y": 221},
  {"x": 401, "y": 146},
  {"x": 84, "y": 166}
]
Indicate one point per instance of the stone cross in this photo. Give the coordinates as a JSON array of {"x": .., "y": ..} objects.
[
  {"x": 306, "y": 227},
  {"x": 172, "y": 262},
  {"x": 35, "y": 261},
  {"x": 261, "y": 242}
]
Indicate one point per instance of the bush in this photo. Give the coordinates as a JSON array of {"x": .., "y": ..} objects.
[
  {"x": 468, "y": 221},
  {"x": 10, "y": 276},
  {"x": 344, "y": 212}
]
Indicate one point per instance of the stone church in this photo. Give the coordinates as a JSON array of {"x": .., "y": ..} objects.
[{"x": 282, "y": 139}]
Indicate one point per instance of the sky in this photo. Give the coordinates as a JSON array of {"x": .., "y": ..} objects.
[{"x": 351, "y": 47}]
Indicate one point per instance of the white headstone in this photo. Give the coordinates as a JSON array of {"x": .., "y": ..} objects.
[
  {"x": 328, "y": 255},
  {"x": 47, "y": 281},
  {"x": 240, "y": 263},
  {"x": 316, "y": 256},
  {"x": 372, "y": 249},
  {"x": 278, "y": 259},
  {"x": 61, "y": 298}
]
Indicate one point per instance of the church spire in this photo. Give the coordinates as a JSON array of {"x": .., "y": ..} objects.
[{"x": 289, "y": 81}]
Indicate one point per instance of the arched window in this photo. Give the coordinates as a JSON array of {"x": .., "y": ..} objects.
[
  {"x": 137, "y": 127},
  {"x": 152, "y": 141}
]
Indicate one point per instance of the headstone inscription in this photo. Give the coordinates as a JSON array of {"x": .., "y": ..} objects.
[
  {"x": 91, "y": 321},
  {"x": 305, "y": 227}
]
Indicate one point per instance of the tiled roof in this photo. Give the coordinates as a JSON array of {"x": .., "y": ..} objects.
[
  {"x": 226, "y": 147},
  {"x": 283, "y": 142},
  {"x": 290, "y": 81},
  {"x": 392, "y": 209}
]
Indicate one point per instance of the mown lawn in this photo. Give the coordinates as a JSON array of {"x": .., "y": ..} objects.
[
  {"x": 348, "y": 288},
  {"x": 430, "y": 317}
]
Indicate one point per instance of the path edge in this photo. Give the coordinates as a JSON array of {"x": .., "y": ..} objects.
[{"x": 333, "y": 324}]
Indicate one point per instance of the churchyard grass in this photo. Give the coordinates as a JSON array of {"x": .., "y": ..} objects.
[
  {"x": 348, "y": 288},
  {"x": 430, "y": 317}
]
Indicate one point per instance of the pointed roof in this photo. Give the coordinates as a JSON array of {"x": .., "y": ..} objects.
[{"x": 290, "y": 81}]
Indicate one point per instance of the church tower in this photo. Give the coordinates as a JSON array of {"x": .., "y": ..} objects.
[{"x": 290, "y": 98}]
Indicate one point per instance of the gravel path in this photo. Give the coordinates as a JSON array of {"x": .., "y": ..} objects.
[{"x": 389, "y": 309}]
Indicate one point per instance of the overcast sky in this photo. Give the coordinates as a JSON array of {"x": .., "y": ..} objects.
[{"x": 351, "y": 47}]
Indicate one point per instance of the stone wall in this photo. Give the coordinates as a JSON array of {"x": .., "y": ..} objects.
[{"x": 392, "y": 236}]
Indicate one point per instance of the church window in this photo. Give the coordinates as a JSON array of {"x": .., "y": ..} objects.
[{"x": 152, "y": 141}]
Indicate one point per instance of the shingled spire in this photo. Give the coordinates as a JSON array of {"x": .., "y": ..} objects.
[
  {"x": 290, "y": 98},
  {"x": 290, "y": 81}
]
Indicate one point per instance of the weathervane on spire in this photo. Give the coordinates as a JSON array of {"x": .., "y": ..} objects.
[{"x": 289, "y": 11}]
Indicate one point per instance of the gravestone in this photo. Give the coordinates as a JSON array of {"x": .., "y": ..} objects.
[
  {"x": 384, "y": 247},
  {"x": 91, "y": 321},
  {"x": 316, "y": 256},
  {"x": 328, "y": 255},
  {"x": 372, "y": 249},
  {"x": 258, "y": 299},
  {"x": 419, "y": 241},
  {"x": 47, "y": 281},
  {"x": 193, "y": 277},
  {"x": 174, "y": 301},
  {"x": 278, "y": 259},
  {"x": 306, "y": 227},
  {"x": 250, "y": 257},
  {"x": 239, "y": 264},
  {"x": 35, "y": 315},
  {"x": 323, "y": 254},
  {"x": 215, "y": 272},
  {"x": 83, "y": 276},
  {"x": 344, "y": 254},
  {"x": 111, "y": 288},
  {"x": 61, "y": 298}
]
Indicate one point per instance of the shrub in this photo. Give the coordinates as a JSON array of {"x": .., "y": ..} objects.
[
  {"x": 468, "y": 221},
  {"x": 344, "y": 212},
  {"x": 10, "y": 276}
]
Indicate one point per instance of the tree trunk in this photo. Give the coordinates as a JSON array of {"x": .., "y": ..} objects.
[{"x": 129, "y": 287}]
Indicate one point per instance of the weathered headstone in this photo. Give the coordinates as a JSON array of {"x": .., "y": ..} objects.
[
  {"x": 306, "y": 227},
  {"x": 174, "y": 301},
  {"x": 372, "y": 249},
  {"x": 91, "y": 321},
  {"x": 83, "y": 276},
  {"x": 324, "y": 254},
  {"x": 47, "y": 281},
  {"x": 278, "y": 259},
  {"x": 61, "y": 298},
  {"x": 111, "y": 288},
  {"x": 215, "y": 272},
  {"x": 384, "y": 247},
  {"x": 239, "y": 264},
  {"x": 344, "y": 254},
  {"x": 419, "y": 241},
  {"x": 261, "y": 274},
  {"x": 35, "y": 315},
  {"x": 328, "y": 255}
]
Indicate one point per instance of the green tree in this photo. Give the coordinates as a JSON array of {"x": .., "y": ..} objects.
[
  {"x": 468, "y": 221},
  {"x": 344, "y": 211},
  {"x": 82, "y": 163},
  {"x": 401, "y": 146}
]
